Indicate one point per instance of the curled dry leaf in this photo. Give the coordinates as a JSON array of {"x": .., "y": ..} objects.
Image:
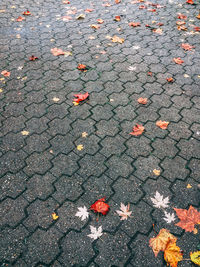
[
  {"x": 195, "y": 257},
  {"x": 180, "y": 23},
  {"x": 197, "y": 29},
  {"x": 27, "y": 13},
  {"x": 187, "y": 46},
  {"x": 134, "y": 24},
  {"x": 33, "y": 58},
  {"x": 182, "y": 28},
  {"x": 117, "y": 18},
  {"x": 160, "y": 242},
  {"x": 142, "y": 101},
  {"x": 172, "y": 254},
  {"x": 25, "y": 132},
  {"x": 162, "y": 124},
  {"x": 81, "y": 97},
  {"x": 5, "y": 73},
  {"x": 181, "y": 16},
  {"x": 116, "y": 39},
  {"x": 178, "y": 60},
  {"x": 170, "y": 80},
  {"x": 138, "y": 129},
  {"x": 142, "y": 7},
  {"x": 100, "y": 206},
  {"x": 82, "y": 67},
  {"x": 106, "y": 4},
  {"x": 81, "y": 16},
  {"x": 96, "y": 27},
  {"x": 188, "y": 218},
  {"x": 100, "y": 21}
]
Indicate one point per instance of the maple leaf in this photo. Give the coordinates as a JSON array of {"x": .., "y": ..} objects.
[
  {"x": 188, "y": 218},
  {"x": 79, "y": 147},
  {"x": 159, "y": 201},
  {"x": 82, "y": 213},
  {"x": 117, "y": 18},
  {"x": 160, "y": 242},
  {"x": 81, "y": 97},
  {"x": 162, "y": 124},
  {"x": 170, "y": 80},
  {"x": 195, "y": 257},
  {"x": 27, "y": 13},
  {"x": 172, "y": 254},
  {"x": 5, "y": 73},
  {"x": 178, "y": 60},
  {"x": 138, "y": 129},
  {"x": 57, "y": 51},
  {"x": 180, "y": 23},
  {"x": 100, "y": 206},
  {"x": 142, "y": 7},
  {"x": 95, "y": 232},
  {"x": 182, "y": 28},
  {"x": 116, "y": 39},
  {"x": 82, "y": 67},
  {"x": 33, "y": 58},
  {"x": 134, "y": 24},
  {"x": 100, "y": 21},
  {"x": 124, "y": 211},
  {"x": 25, "y": 132},
  {"x": 54, "y": 216},
  {"x": 20, "y": 18},
  {"x": 181, "y": 16},
  {"x": 142, "y": 101},
  {"x": 96, "y": 27},
  {"x": 169, "y": 217},
  {"x": 84, "y": 134},
  {"x": 187, "y": 46}
]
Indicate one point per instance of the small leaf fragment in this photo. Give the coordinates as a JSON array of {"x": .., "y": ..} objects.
[
  {"x": 81, "y": 16},
  {"x": 189, "y": 186},
  {"x": 25, "y": 132},
  {"x": 156, "y": 172},
  {"x": 54, "y": 216},
  {"x": 142, "y": 101},
  {"x": 84, "y": 134},
  {"x": 116, "y": 39},
  {"x": 138, "y": 129},
  {"x": 79, "y": 147},
  {"x": 162, "y": 124}
]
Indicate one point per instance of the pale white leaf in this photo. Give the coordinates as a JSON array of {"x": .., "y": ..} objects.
[
  {"x": 124, "y": 211},
  {"x": 159, "y": 201},
  {"x": 82, "y": 213},
  {"x": 169, "y": 217},
  {"x": 95, "y": 232}
]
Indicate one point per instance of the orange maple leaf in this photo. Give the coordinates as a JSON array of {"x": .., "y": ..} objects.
[
  {"x": 170, "y": 80},
  {"x": 100, "y": 21},
  {"x": 138, "y": 129},
  {"x": 172, "y": 254},
  {"x": 198, "y": 16},
  {"x": 159, "y": 243},
  {"x": 188, "y": 218},
  {"x": 134, "y": 24},
  {"x": 5, "y": 73},
  {"x": 142, "y": 101},
  {"x": 187, "y": 46},
  {"x": 191, "y": 2},
  {"x": 162, "y": 124},
  {"x": 178, "y": 60},
  {"x": 82, "y": 67}
]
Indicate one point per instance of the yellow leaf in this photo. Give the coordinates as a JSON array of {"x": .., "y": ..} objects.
[
  {"x": 189, "y": 186},
  {"x": 1, "y": 90},
  {"x": 84, "y": 134},
  {"x": 25, "y": 132},
  {"x": 156, "y": 172},
  {"x": 54, "y": 216},
  {"x": 172, "y": 254},
  {"x": 195, "y": 257},
  {"x": 79, "y": 147},
  {"x": 116, "y": 39},
  {"x": 160, "y": 242}
]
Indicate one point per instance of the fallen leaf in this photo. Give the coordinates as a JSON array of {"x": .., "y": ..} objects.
[
  {"x": 156, "y": 172},
  {"x": 66, "y": 18},
  {"x": 159, "y": 31},
  {"x": 54, "y": 216},
  {"x": 134, "y": 24},
  {"x": 106, "y": 4},
  {"x": 100, "y": 206},
  {"x": 79, "y": 147},
  {"x": 100, "y": 21},
  {"x": 142, "y": 7},
  {"x": 66, "y": 2},
  {"x": 124, "y": 211},
  {"x": 82, "y": 67},
  {"x": 172, "y": 254},
  {"x": 181, "y": 16},
  {"x": 178, "y": 60},
  {"x": 170, "y": 80},
  {"x": 117, "y": 18},
  {"x": 25, "y": 132},
  {"x": 195, "y": 257},
  {"x": 187, "y": 46},
  {"x": 57, "y": 51},
  {"x": 180, "y": 23},
  {"x": 95, "y": 233},
  {"x": 88, "y": 10},
  {"x": 182, "y": 28},
  {"x": 117, "y": 1},
  {"x": 1, "y": 90},
  {"x": 138, "y": 129},
  {"x": 142, "y": 101},
  {"x": 56, "y": 99},
  {"x": 197, "y": 29},
  {"x": 116, "y": 39},
  {"x": 2, "y": 11},
  {"x": 5, "y": 73},
  {"x": 191, "y": 2},
  {"x": 81, "y": 16},
  {"x": 96, "y": 27},
  {"x": 33, "y": 58},
  {"x": 149, "y": 73},
  {"x": 159, "y": 243},
  {"x": 82, "y": 213},
  {"x": 159, "y": 201},
  {"x": 189, "y": 186},
  {"x": 162, "y": 124},
  {"x": 84, "y": 134},
  {"x": 75, "y": 103},
  {"x": 169, "y": 217},
  {"x": 152, "y": 10},
  {"x": 188, "y": 218},
  {"x": 27, "y": 13},
  {"x": 20, "y": 18},
  {"x": 198, "y": 16}
]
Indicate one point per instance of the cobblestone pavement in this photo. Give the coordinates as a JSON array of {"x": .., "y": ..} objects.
[{"x": 41, "y": 169}]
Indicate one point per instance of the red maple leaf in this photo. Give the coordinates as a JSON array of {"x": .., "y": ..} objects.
[
  {"x": 187, "y": 46},
  {"x": 188, "y": 218},
  {"x": 80, "y": 97},
  {"x": 20, "y": 18},
  {"x": 178, "y": 60},
  {"x": 100, "y": 206},
  {"x": 33, "y": 58},
  {"x": 138, "y": 129},
  {"x": 27, "y": 13}
]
